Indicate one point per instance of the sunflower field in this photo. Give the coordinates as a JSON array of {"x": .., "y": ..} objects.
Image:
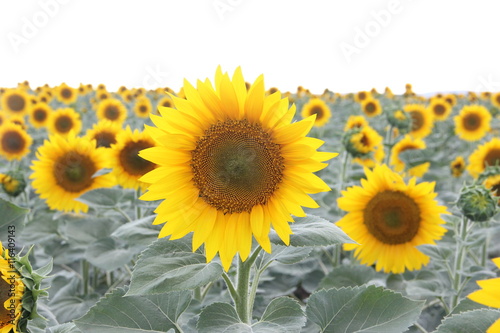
[{"x": 227, "y": 206}]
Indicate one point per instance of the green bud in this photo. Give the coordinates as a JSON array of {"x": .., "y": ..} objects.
[
  {"x": 477, "y": 203},
  {"x": 13, "y": 183},
  {"x": 400, "y": 120}
]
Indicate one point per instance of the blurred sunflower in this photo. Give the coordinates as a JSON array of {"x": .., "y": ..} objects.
[
  {"x": 166, "y": 102},
  {"x": 14, "y": 142},
  {"x": 11, "y": 293},
  {"x": 360, "y": 96},
  {"x": 485, "y": 155},
  {"x": 142, "y": 107},
  {"x": 472, "y": 123},
  {"x": 102, "y": 94},
  {"x": 371, "y": 107},
  {"x": 17, "y": 120},
  {"x": 389, "y": 219},
  {"x": 493, "y": 184},
  {"x": 421, "y": 120},
  {"x": 495, "y": 99},
  {"x": 104, "y": 133},
  {"x": 355, "y": 122},
  {"x": 112, "y": 110},
  {"x": 39, "y": 115},
  {"x": 440, "y": 109},
  {"x": 15, "y": 102},
  {"x": 316, "y": 106},
  {"x": 361, "y": 141},
  {"x": 407, "y": 143},
  {"x": 62, "y": 121},
  {"x": 457, "y": 166},
  {"x": 66, "y": 94},
  {"x": 65, "y": 170},
  {"x": 231, "y": 164},
  {"x": 451, "y": 99},
  {"x": 3, "y": 118},
  {"x": 371, "y": 160},
  {"x": 127, "y": 165}
]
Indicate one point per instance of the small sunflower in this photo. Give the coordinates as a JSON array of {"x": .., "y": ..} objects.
[
  {"x": 495, "y": 99},
  {"x": 39, "y": 115},
  {"x": 407, "y": 143},
  {"x": 166, "y": 102},
  {"x": 389, "y": 219},
  {"x": 485, "y": 155},
  {"x": 371, "y": 107},
  {"x": 493, "y": 184},
  {"x": 230, "y": 165},
  {"x": 11, "y": 293},
  {"x": 421, "y": 120},
  {"x": 102, "y": 94},
  {"x": 142, "y": 107},
  {"x": 66, "y": 94},
  {"x": 361, "y": 96},
  {"x": 361, "y": 141},
  {"x": 65, "y": 170},
  {"x": 112, "y": 110},
  {"x": 13, "y": 183},
  {"x": 451, "y": 99},
  {"x": 457, "y": 166},
  {"x": 472, "y": 123},
  {"x": 316, "y": 106},
  {"x": 355, "y": 122},
  {"x": 127, "y": 165},
  {"x": 104, "y": 133},
  {"x": 63, "y": 121},
  {"x": 14, "y": 142},
  {"x": 15, "y": 102},
  {"x": 440, "y": 109}
]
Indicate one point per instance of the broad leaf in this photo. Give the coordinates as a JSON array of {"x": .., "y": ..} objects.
[
  {"x": 347, "y": 276},
  {"x": 283, "y": 314},
  {"x": 64, "y": 328},
  {"x": 138, "y": 234},
  {"x": 221, "y": 318},
  {"x": 286, "y": 254},
  {"x": 476, "y": 321},
  {"x": 105, "y": 197},
  {"x": 11, "y": 223},
  {"x": 108, "y": 254}
]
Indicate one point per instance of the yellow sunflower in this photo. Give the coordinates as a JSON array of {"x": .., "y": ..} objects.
[
  {"x": 371, "y": 107},
  {"x": 14, "y": 142},
  {"x": 373, "y": 159},
  {"x": 489, "y": 295},
  {"x": 39, "y": 114},
  {"x": 316, "y": 106},
  {"x": 457, "y": 166},
  {"x": 495, "y": 99},
  {"x": 11, "y": 293},
  {"x": 166, "y": 102},
  {"x": 440, "y": 109},
  {"x": 407, "y": 143},
  {"x": 389, "y": 219},
  {"x": 112, "y": 109},
  {"x": 485, "y": 155},
  {"x": 362, "y": 141},
  {"x": 361, "y": 96},
  {"x": 66, "y": 94},
  {"x": 231, "y": 164},
  {"x": 472, "y": 123},
  {"x": 62, "y": 121},
  {"x": 104, "y": 133},
  {"x": 127, "y": 165},
  {"x": 451, "y": 99},
  {"x": 355, "y": 122},
  {"x": 142, "y": 107},
  {"x": 65, "y": 170},
  {"x": 15, "y": 102},
  {"x": 421, "y": 120},
  {"x": 493, "y": 184},
  {"x": 102, "y": 94}
]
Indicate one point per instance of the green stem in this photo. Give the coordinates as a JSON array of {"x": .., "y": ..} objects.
[
  {"x": 243, "y": 298},
  {"x": 85, "y": 276},
  {"x": 125, "y": 215},
  {"x": 388, "y": 142},
  {"x": 484, "y": 249},
  {"x": 343, "y": 170},
  {"x": 255, "y": 285},
  {"x": 459, "y": 260},
  {"x": 138, "y": 212}
]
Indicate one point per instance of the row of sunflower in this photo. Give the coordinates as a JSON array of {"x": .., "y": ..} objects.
[{"x": 230, "y": 166}]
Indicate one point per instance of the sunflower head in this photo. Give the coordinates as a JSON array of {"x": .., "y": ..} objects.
[
  {"x": 473, "y": 122},
  {"x": 316, "y": 106},
  {"x": 230, "y": 165},
  {"x": 400, "y": 120},
  {"x": 495, "y": 99},
  {"x": 440, "y": 109},
  {"x": 64, "y": 121},
  {"x": 371, "y": 107},
  {"x": 15, "y": 102},
  {"x": 360, "y": 142},
  {"x": 104, "y": 133},
  {"x": 66, "y": 94},
  {"x": 405, "y": 144},
  {"x": 13, "y": 183},
  {"x": 485, "y": 155},
  {"x": 355, "y": 122},
  {"x": 457, "y": 166},
  {"x": 492, "y": 183},
  {"x": 361, "y": 96},
  {"x": 39, "y": 114},
  {"x": 477, "y": 203},
  {"x": 421, "y": 120},
  {"x": 14, "y": 142},
  {"x": 142, "y": 107},
  {"x": 112, "y": 109}
]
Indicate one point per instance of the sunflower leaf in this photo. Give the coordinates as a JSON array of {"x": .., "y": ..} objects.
[
  {"x": 476, "y": 321},
  {"x": 139, "y": 233},
  {"x": 104, "y": 198},
  {"x": 108, "y": 254},
  {"x": 220, "y": 317},
  {"x": 347, "y": 276},
  {"x": 313, "y": 231},
  {"x": 171, "y": 266},
  {"x": 12, "y": 222},
  {"x": 135, "y": 314},
  {"x": 362, "y": 309},
  {"x": 64, "y": 328}
]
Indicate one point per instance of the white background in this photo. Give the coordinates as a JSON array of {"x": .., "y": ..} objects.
[{"x": 435, "y": 45}]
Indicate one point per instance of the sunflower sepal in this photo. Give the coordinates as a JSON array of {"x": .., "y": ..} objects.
[
  {"x": 477, "y": 203},
  {"x": 488, "y": 172}
]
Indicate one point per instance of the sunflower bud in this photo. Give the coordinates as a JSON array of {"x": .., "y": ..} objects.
[
  {"x": 13, "y": 183},
  {"x": 354, "y": 142},
  {"x": 477, "y": 203},
  {"x": 399, "y": 120}
]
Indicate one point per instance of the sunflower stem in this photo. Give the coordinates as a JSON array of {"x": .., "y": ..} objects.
[
  {"x": 85, "y": 276},
  {"x": 484, "y": 248},
  {"x": 343, "y": 171},
  {"x": 138, "y": 212},
  {"x": 243, "y": 297},
  {"x": 459, "y": 260}
]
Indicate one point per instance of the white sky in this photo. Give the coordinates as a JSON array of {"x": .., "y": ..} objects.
[{"x": 441, "y": 45}]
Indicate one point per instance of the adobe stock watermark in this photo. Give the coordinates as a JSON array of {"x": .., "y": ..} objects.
[
  {"x": 155, "y": 78},
  {"x": 224, "y": 6},
  {"x": 488, "y": 84},
  {"x": 32, "y": 25},
  {"x": 364, "y": 35}
]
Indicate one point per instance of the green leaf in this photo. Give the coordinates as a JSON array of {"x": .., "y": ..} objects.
[
  {"x": 220, "y": 318},
  {"x": 135, "y": 314},
  {"x": 41, "y": 229},
  {"x": 286, "y": 254},
  {"x": 169, "y": 266},
  {"x": 64, "y": 328},
  {"x": 467, "y": 305},
  {"x": 138, "y": 234},
  {"x": 72, "y": 307},
  {"x": 313, "y": 231},
  {"x": 347, "y": 276},
  {"x": 12, "y": 222},
  {"x": 108, "y": 254},
  {"x": 82, "y": 231},
  {"x": 283, "y": 314},
  {"x": 362, "y": 309},
  {"x": 105, "y": 197},
  {"x": 476, "y": 321}
]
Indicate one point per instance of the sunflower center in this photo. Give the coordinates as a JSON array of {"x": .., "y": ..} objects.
[
  {"x": 392, "y": 217},
  {"x": 130, "y": 160},
  {"x": 73, "y": 172},
  {"x": 111, "y": 112},
  {"x": 64, "y": 124},
  {"x": 417, "y": 120},
  {"x": 361, "y": 96},
  {"x": 492, "y": 157},
  {"x": 143, "y": 109},
  {"x": 167, "y": 104},
  {"x": 236, "y": 166},
  {"x": 40, "y": 115},
  {"x": 497, "y": 98},
  {"x": 370, "y": 107},
  {"x": 318, "y": 111},
  {"x": 13, "y": 142},
  {"x": 439, "y": 109},
  {"x": 365, "y": 141},
  {"x": 16, "y": 103},
  {"x": 104, "y": 139},
  {"x": 66, "y": 93},
  {"x": 471, "y": 122}
]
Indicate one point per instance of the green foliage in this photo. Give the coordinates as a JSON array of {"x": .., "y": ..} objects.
[
  {"x": 11, "y": 222},
  {"x": 476, "y": 321}
]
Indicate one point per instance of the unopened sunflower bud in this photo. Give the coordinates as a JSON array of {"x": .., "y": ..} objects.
[
  {"x": 399, "y": 120},
  {"x": 477, "y": 203},
  {"x": 13, "y": 183}
]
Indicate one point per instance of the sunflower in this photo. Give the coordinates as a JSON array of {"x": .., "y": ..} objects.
[
  {"x": 355, "y": 122},
  {"x": 39, "y": 115},
  {"x": 440, "y": 109},
  {"x": 65, "y": 170},
  {"x": 457, "y": 166},
  {"x": 361, "y": 141},
  {"x": 112, "y": 109},
  {"x": 11, "y": 292},
  {"x": 63, "y": 121},
  {"x": 127, "y": 165},
  {"x": 66, "y": 94},
  {"x": 17, "y": 120},
  {"x": 14, "y": 142},
  {"x": 451, "y": 99},
  {"x": 472, "y": 123},
  {"x": 371, "y": 160},
  {"x": 142, "y": 107},
  {"x": 360, "y": 96},
  {"x": 421, "y": 120},
  {"x": 493, "y": 184},
  {"x": 165, "y": 102},
  {"x": 371, "y": 107},
  {"x": 3, "y": 118},
  {"x": 102, "y": 94},
  {"x": 495, "y": 99},
  {"x": 485, "y": 155},
  {"x": 488, "y": 295},
  {"x": 104, "y": 133},
  {"x": 316, "y": 106},
  {"x": 389, "y": 219},
  {"x": 231, "y": 163},
  {"x": 15, "y": 102},
  {"x": 407, "y": 143}
]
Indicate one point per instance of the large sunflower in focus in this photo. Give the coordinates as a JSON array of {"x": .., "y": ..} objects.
[
  {"x": 112, "y": 110},
  {"x": 11, "y": 293},
  {"x": 389, "y": 219},
  {"x": 14, "y": 141},
  {"x": 15, "y": 102},
  {"x": 316, "y": 106},
  {"x": 421, "y": 120},
  {"x": 485, "y": 155},
  {"x": 65, "y": 170},
  {"x": 473, "y": 122},
  {"x": 231, "y": 165},
  {"x": 63, "y": 121}
]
